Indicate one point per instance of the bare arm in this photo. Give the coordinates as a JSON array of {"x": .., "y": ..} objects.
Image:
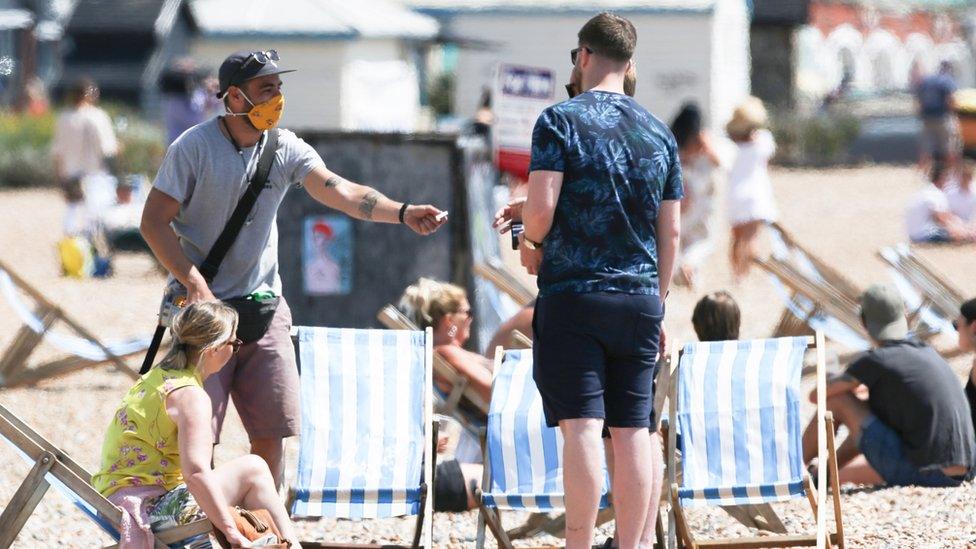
[
  {"x": 156, "y": 228},
  {"x": 190, "y": 409},
  {"x": 838, "y": 385},
  {"x": 540, "y": 204},
  {"x": 474, "y": 367},
  {"x": 668, "y": 235},
  {"x": 368, "y": 204}
]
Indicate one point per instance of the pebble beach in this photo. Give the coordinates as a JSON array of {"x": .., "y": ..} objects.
[{"x": 842, "y": 215}]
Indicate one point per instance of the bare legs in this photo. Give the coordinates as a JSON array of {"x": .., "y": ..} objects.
[
  {"x": 631, "y": 456},
  {"x": 581, "y": 468},
  {"x": 246, "y": 481},
  {"x": 851, "y": 412},
  {"x": 657, "y": 483},
  {"x": 271, "y": 450},
  {"x": 742, "y": 247}
]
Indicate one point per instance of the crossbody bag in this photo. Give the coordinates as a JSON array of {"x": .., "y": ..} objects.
[{"x": 254, "y": 314}]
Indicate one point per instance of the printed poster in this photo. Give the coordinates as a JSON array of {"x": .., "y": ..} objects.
[
  {"x": 519, "y": 96},
  {"x": 327, "y": 245}
]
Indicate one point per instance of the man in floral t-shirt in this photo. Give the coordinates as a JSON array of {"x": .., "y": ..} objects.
[{"x": 601, "y": 230}]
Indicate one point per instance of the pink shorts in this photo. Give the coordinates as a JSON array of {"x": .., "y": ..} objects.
[{"x": 263, "y": 379}]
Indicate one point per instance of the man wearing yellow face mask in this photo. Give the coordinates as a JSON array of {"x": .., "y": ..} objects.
[{"x": 202, "y": 178}]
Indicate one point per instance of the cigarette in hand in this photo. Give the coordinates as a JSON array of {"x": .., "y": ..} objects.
[{"x": 441, "y": 216}]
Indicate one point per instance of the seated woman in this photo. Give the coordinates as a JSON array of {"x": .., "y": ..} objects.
[
  {"x": 157, "y": 453},
  {"x": 444, "y": 308}
]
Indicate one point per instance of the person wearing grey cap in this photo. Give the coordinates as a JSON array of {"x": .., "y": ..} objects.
[
  {"x": 914, "y": 428},
  {"x": 206, "y": 171}
]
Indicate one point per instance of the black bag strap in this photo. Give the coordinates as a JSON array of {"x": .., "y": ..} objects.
[{"x": 227, "y": 237}]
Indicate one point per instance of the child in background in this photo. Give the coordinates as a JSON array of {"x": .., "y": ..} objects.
[{"x": 750, "y": 200}]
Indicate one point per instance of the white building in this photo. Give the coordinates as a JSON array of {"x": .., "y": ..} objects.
[
  {"x": 358, "y": 62},
  {"x": 686, "y": 49}
]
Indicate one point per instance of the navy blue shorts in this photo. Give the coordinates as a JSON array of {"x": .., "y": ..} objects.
[
  {"x": 883, "y": 449},
  {"x": 595, "y": 356}
]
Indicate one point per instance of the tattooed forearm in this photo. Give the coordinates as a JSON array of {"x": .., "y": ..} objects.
[
  {"x": 368, "y": 203},
  {"x": 333, "y": 182}
]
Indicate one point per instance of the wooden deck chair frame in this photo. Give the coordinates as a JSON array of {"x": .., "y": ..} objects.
[
  {"x": 540, "y": 523},
  {"x": 933, "y": 287},
  {"x": 393, "y": 319},
  {"x": 495, "y": 272},
  {"x": 679, "y": 532},
  {"x": 49, "y": 459},
  {"x": 14, "y": 370},
  {"x": 825, "y": 298},
  {"x": 425, "y": 518}
]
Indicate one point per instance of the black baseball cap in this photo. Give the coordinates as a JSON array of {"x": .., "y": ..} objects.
[{"x": 244, "y": 65}]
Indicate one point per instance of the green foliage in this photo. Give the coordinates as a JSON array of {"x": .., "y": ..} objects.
[
  {"x": 441, "y": 94},
  {"x": 819, "y": 139},
  {"x": 25, "y": 146}
]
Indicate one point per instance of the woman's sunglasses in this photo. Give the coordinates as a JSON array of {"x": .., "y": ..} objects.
[{"x": 236, "y": 344}]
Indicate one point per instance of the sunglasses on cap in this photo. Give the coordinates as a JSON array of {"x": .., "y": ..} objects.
[
  {"x": 574, "y": 53},
  {"x": 261, "y": 57}
]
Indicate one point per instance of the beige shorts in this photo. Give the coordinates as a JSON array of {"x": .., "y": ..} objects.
[{"x": 263, "y": 380}]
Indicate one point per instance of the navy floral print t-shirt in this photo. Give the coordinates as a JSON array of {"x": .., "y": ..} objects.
[{"x": 618, "y": 163}]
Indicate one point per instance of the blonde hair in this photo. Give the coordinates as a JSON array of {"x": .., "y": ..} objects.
[
  {"x": 429, "y": 300},
  {"x": 199, "y": 327}
]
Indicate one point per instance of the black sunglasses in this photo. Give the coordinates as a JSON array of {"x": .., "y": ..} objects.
[
  {"x": 262, "y": 57},
  {"x": 236, "y": 344},
  {"x": 574, "y": 53}
]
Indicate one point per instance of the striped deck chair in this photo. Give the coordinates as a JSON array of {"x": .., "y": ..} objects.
[
  {"x": 82, "y": 348},
  {"x": 523, "y": 457},
  {"x": 933, "y": 302},
  {"x": 737, "y": 406},
  {"x": 816, "y": 296},
  {"x": 52, "y": 467},
  {"x": 366, "y": 447},
  {"x": 461, "y": 402}
]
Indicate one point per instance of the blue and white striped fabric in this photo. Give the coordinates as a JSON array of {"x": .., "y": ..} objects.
[
  {"x": 362, "y": 437},
  {"x": 738, "y": 414},
  {"x": 524, "y": 455}
]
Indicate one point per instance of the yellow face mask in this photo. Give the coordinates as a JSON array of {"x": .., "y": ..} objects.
[{"x": 264, "y": 116}]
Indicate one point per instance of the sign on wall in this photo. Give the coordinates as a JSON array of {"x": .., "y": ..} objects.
[
  {"x": 520, "y": 94},
  {"x": 327, "y": 246}
]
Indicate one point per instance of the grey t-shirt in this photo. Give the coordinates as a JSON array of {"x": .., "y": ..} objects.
[{"x": 207, "y": 175}]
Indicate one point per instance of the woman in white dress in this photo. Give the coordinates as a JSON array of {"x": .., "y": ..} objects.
[
  {"x": 700, "y": 167},
  {"x": 750, "y": 198}
]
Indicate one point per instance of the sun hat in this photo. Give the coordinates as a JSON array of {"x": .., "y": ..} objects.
[{"x": 750, "y": 115}]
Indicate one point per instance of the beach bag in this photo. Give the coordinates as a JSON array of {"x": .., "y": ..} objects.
[{"x": 255, "y": 525}]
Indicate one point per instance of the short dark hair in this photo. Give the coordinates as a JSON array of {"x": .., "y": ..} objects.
[
  {"x": 968, "y": 310},
  {"x": 82, "y": 88},
  {"x": 609, "y": 35},
  {"x": 716, "y": 317}
]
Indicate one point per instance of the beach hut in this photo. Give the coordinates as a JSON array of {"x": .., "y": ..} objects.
[
  {"x": 686, "y": 49},
  {"x": 359, "y": 63}
]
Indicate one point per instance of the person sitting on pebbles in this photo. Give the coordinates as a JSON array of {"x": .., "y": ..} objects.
[
  {"x": 915, "y": 428},
  {"x": 966, "y": 328},
  {"x": 157, "y": 453}
]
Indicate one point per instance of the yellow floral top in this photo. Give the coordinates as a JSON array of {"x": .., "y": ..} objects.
[{"x": 141, "y": 447}]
